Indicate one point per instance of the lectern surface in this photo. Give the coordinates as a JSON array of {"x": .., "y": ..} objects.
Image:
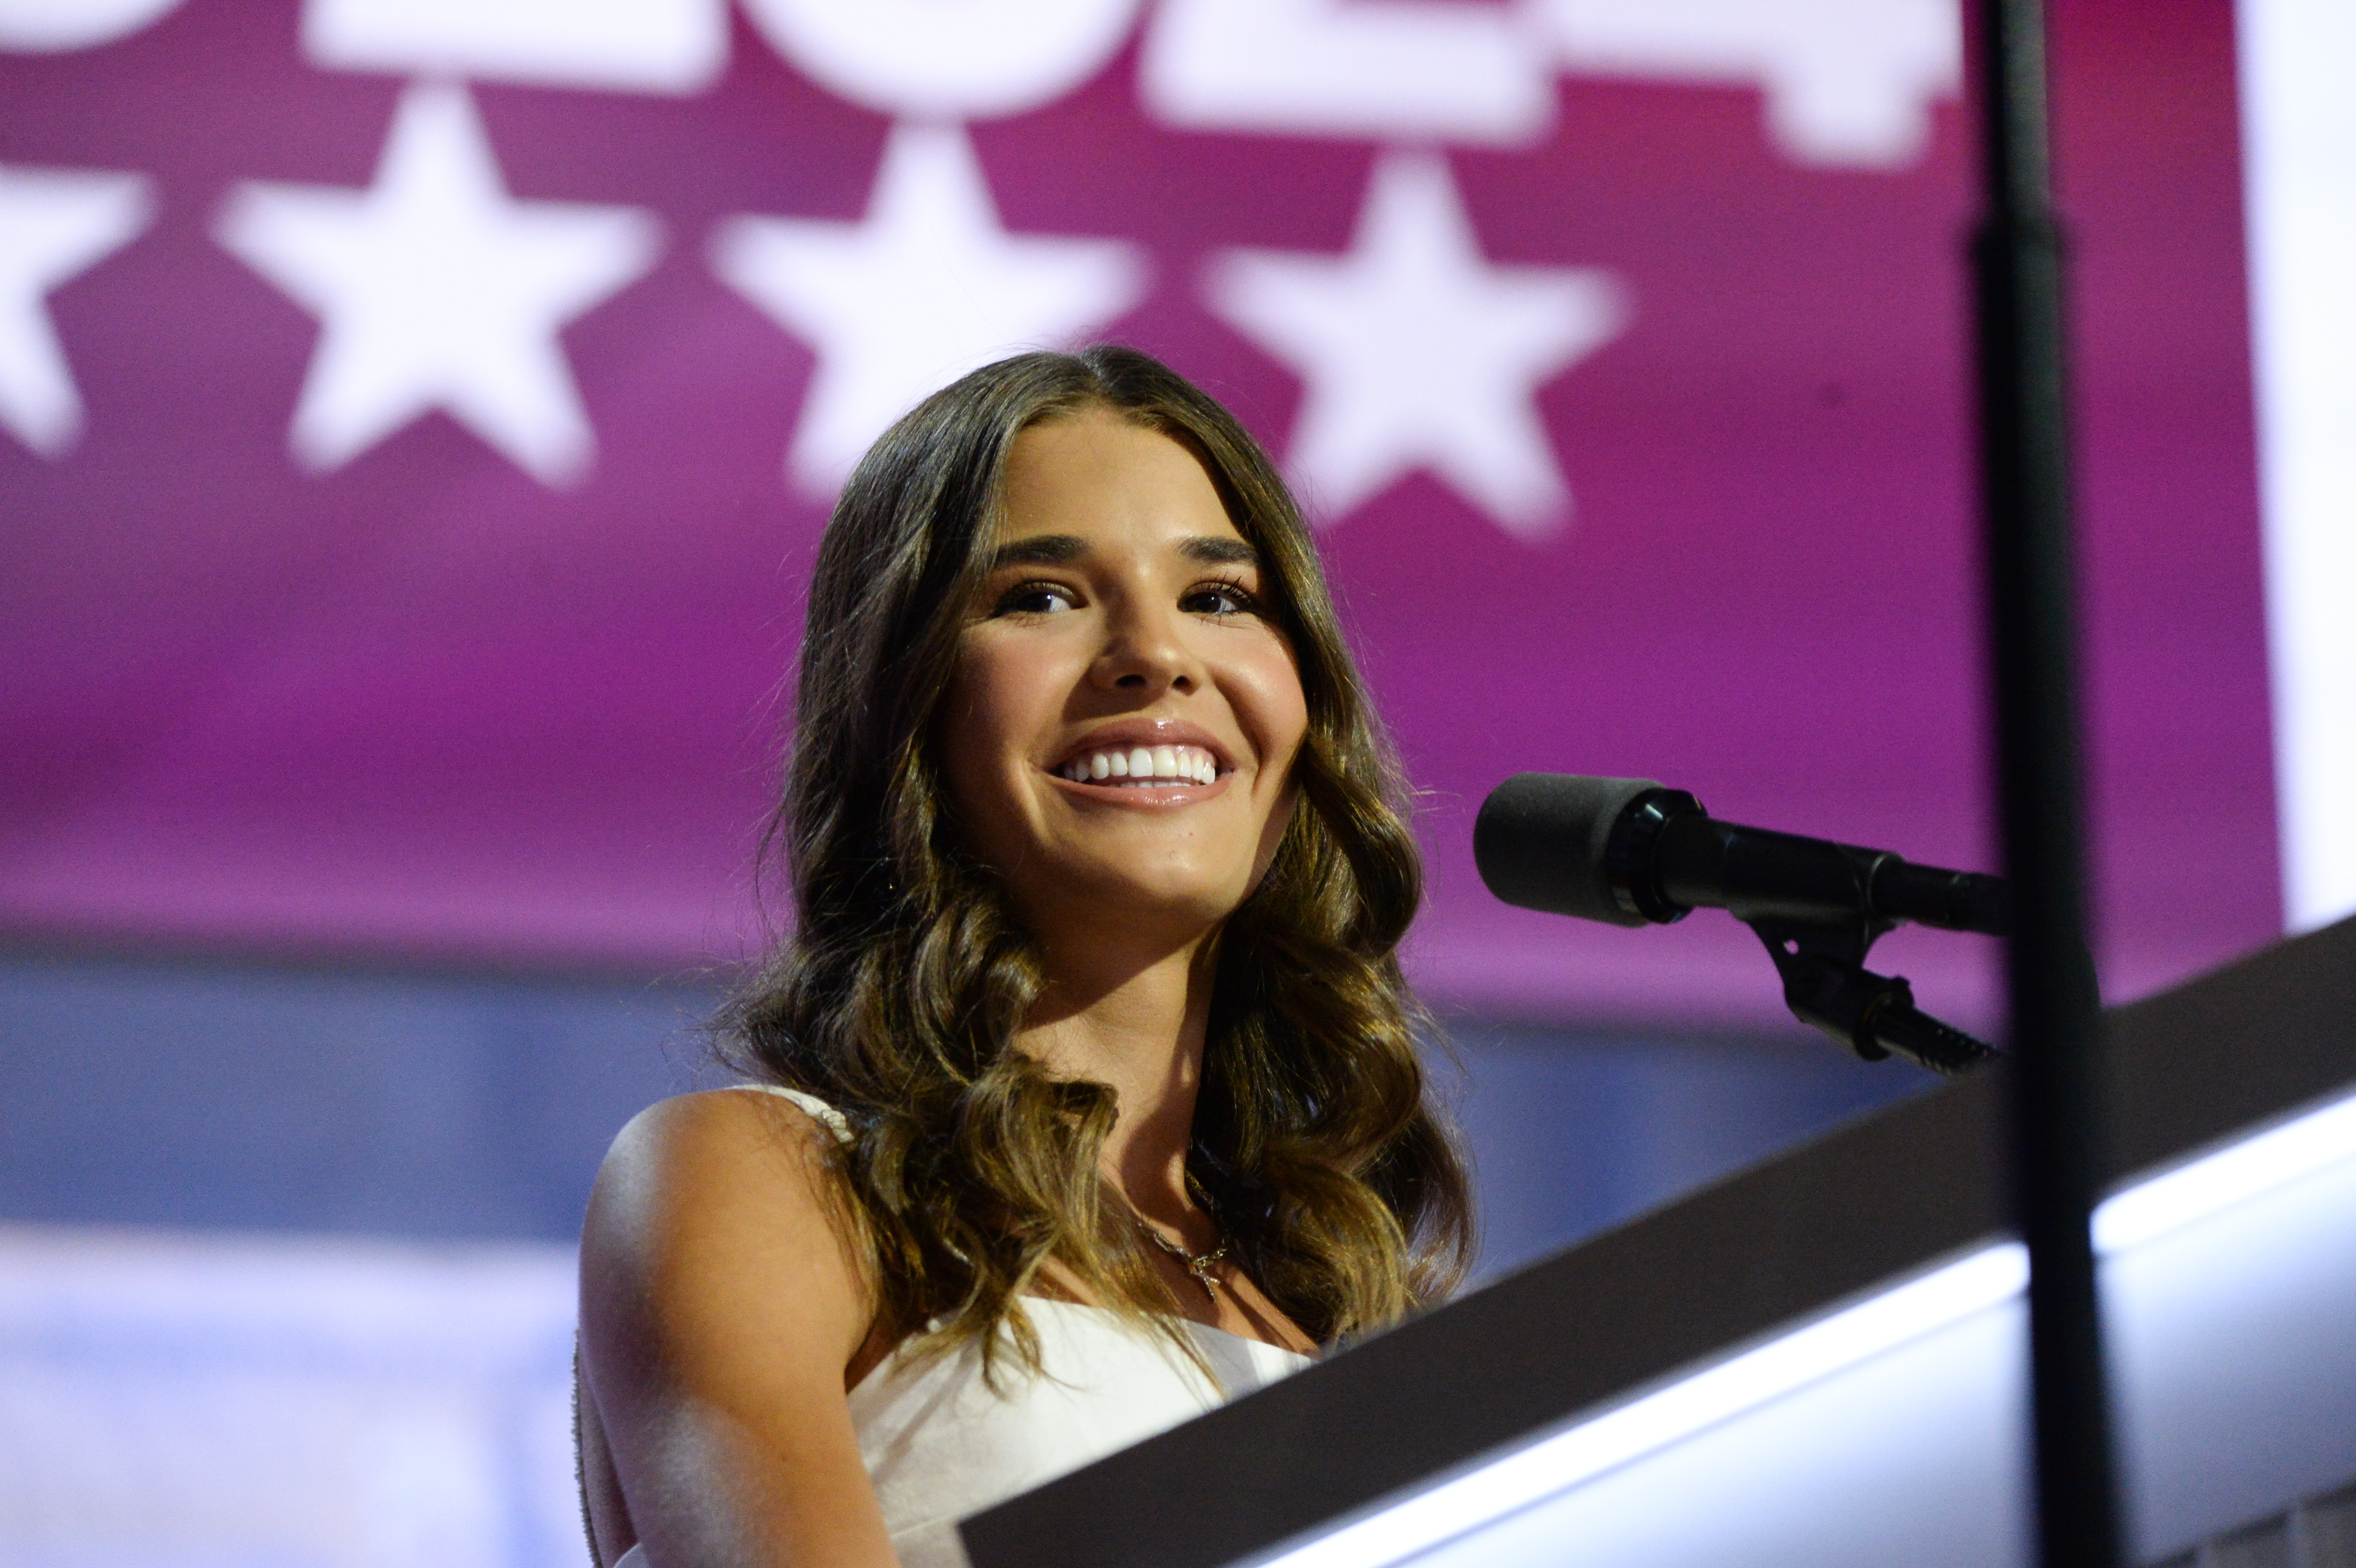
[{"x": 1820, "y": 1359}]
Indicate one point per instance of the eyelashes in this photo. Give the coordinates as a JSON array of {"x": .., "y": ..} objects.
[
  {"x": 1023, "y": 597},
  {"x": 1048, "y": 598},
  {"x": 1245, "y": 601}
]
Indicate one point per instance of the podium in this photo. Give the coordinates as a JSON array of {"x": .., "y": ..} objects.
[{"x": 1821, "y": 1360}]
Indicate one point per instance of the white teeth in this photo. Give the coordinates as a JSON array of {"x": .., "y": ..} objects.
[{"x": 1143, "y": 764}]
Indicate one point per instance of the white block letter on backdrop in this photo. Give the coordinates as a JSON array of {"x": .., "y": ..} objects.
[
  {"x": 51, "y": 27},
  {"x": 645, "y": 46},
  {"x": 1336, "y": 68},
  {"x": 1847, "y": 81},
  {"x": 946, "y": 59}
]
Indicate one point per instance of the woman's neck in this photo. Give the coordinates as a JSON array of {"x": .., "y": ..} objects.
[{"x": 1136, "y": 1025}]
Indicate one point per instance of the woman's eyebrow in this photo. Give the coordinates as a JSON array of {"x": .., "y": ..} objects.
[
  {"x": 1040, "y": 549},
  {"x": 1211, "y": 549}
]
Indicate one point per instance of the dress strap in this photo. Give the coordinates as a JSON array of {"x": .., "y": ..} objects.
[{"x": 817, "y": 1110}]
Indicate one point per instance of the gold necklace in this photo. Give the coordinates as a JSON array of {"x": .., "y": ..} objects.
[{"x": 1197, "y": 1264}]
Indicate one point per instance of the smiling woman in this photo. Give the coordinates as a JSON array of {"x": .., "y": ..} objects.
[{"x": 1092, "y": 1096}]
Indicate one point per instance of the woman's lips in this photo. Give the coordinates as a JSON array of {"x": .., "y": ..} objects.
[{"x": 1145, "y": 792}]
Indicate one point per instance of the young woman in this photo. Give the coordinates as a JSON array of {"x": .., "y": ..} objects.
[{"x": 1091, "y": 1096}]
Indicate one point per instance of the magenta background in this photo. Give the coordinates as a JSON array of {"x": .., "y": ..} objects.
[{"x": 424, "y": 707}]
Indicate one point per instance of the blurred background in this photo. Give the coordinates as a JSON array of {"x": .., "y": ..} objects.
[{"x": 417, "y": 416}]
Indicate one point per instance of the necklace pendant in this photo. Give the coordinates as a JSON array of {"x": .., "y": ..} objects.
[{"x": 1198, "y": 1264}]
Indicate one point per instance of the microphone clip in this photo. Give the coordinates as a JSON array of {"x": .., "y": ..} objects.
[{"x": 1827, "y": 986}]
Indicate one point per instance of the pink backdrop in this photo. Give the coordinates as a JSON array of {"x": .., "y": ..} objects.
[{"x": 421, "y": 702}]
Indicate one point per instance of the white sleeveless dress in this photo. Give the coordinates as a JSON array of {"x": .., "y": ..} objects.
[{"x": 940, "y": 1445}]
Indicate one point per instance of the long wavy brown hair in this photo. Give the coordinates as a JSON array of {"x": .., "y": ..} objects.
[{"x": 898, "y": 993}]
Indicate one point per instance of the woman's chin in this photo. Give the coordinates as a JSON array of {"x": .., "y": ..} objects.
[{"x": 1121, "y": 904}]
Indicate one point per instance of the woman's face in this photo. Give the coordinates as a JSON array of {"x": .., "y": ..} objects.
[{"x": 1118, "y": 737}]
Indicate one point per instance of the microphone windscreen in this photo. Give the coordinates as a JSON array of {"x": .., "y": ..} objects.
[{"x": 1540, "y": 843}]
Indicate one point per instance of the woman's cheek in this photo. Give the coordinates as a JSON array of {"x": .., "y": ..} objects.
[
  {"x": 980, "y": 732},
  {"x": 1279, "y": 713}
]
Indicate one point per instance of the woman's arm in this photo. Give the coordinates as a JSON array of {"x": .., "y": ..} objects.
[{"x": 720, "y": 1303}]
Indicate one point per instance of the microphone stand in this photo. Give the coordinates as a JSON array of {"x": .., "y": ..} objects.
[
  {"x": 2056, "y": 1090},
  {"x": 1827, "y": 984}
]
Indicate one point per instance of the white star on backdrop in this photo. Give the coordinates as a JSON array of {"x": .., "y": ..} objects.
[
  {"x": 1418, "y": 353},
  {"x": 926, "y": 287},
  {"x": 434, "y": 289},
  {"x": 55, "y": 224}
]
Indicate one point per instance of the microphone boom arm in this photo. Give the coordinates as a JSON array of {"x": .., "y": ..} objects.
[
  {"x": 1819, "y": 908},
  {"x": 1827, "y": 985},
  {"x": 1630, "y": 852}
]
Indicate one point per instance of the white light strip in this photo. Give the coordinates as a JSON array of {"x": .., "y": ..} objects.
[
  {"x": 1554, "y": 1464},
  {"x": 2142, "y": 1213},
  {"x": 2175, "y": 1199},
  {"x": 2299, "y": 139}
]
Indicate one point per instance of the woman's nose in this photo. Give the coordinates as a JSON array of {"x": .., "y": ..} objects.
[{"x": 1146, "y": 651}]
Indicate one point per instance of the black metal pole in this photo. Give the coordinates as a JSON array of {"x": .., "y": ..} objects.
[{"x": 2025, "y": 479}]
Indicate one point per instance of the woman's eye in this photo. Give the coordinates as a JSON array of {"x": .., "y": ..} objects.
[
  {"x": 1220, "y": 599},
  {"x": 1037, "y": 599}
]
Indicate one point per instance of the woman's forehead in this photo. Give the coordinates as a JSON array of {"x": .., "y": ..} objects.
[{"x": 1095, "y": 475}]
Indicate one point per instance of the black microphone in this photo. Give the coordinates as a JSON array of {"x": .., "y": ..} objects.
[{"x": 1630, "y": 852}]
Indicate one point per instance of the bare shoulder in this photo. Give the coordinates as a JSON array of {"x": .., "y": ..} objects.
[
  {"x": 724, "y": 1296},
  {"x": 748, "y": 1144},
  {"x": 723, "y": 1161},
  {"x": 718, "y": 1199}
]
